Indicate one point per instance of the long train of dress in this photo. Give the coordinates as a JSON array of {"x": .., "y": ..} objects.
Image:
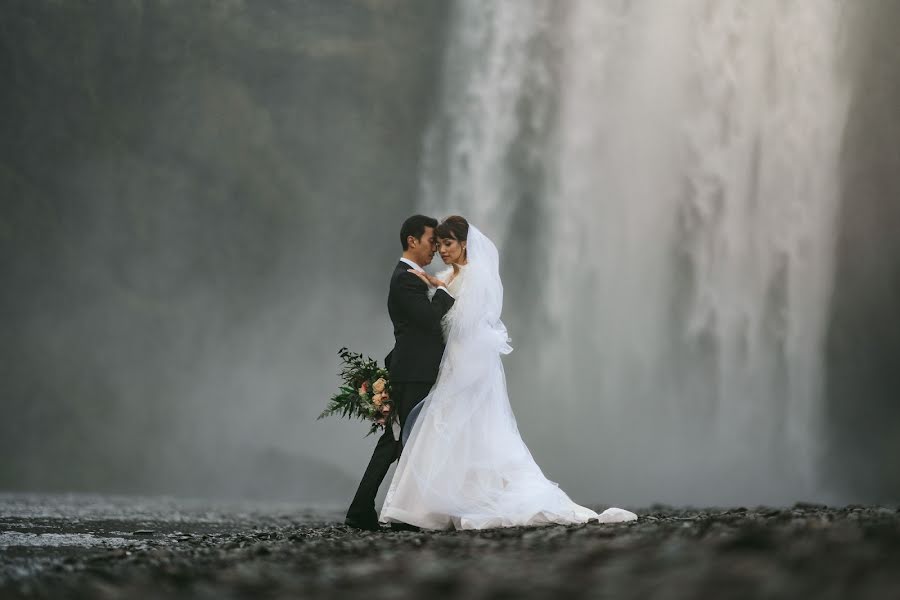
[{"x": 465, "y": 466}]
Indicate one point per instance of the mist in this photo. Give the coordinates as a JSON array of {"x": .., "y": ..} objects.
[{"x": 200, "y": 203}]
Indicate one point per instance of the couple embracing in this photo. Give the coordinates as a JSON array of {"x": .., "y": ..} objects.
[{"x": 464, "y": 464}]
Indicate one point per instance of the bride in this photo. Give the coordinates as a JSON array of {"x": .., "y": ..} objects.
[{"x": 464, "y": 464}]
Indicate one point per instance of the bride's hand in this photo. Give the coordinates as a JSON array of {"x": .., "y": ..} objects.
[{"x": 429, "y": 279}]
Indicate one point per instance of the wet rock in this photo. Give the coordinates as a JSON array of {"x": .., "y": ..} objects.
[{"x": 801, "y": 551}]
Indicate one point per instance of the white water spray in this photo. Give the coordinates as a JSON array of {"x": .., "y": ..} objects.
[{"x": 689, "y": 156}]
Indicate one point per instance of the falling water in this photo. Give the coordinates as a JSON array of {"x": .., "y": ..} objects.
[
  {"x": 486, "y": 136},
  {"x": 684, "y": 158}
]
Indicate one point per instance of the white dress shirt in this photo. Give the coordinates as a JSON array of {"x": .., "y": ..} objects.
[{"x": 418, "y": 268}]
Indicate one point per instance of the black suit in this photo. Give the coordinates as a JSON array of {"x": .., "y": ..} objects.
[{"x": 413, "y": 365}]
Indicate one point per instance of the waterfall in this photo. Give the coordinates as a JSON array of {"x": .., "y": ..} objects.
[
  {"x": 683, "y": 157},
  {"x": 495, "y": 98}
]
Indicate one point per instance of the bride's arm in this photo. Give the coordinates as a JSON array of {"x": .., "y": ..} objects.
[{"x": 429, "y": 279}]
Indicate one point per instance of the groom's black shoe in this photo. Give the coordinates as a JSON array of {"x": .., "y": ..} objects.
[
  {"x": 404, "y": 527},
  {"x": 364, "y": 525}
]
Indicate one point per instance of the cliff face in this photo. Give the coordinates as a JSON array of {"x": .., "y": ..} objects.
[
  {"x": 165, "y": 168},
  {"x": 283, "y": 108},
  {"x": 863, "y": 354}
]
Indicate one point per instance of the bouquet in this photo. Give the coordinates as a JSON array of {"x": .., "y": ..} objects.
[{"x": 365, "y": 392}]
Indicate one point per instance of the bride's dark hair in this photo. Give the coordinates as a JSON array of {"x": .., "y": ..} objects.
[{"x": 454, "y": 227}]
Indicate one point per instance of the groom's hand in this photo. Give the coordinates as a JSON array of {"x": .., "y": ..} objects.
[
  {"x": 413, "y": 302},
  {"x": 429, "y": 279}
]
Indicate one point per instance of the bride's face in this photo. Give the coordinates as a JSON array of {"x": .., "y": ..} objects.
[{"x": 452, "y": 251}]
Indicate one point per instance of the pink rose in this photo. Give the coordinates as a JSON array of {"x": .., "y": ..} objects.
[
  {"x": 385, "y": 409},
  {"x": 380, "y": 421}
]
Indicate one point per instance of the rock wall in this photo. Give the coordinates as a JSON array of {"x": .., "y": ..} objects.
[
  {"x": 864, "y": 339},
  {"x": 172, "y": 175}
]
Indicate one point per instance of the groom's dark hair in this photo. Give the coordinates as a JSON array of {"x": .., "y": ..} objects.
[{"x": 415, "y": 226}]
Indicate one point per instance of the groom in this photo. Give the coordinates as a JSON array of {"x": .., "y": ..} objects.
[{"x": 413, "y": 363}]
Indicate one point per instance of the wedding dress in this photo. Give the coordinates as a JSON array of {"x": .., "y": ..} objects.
[{"x": 464, "y": 464}]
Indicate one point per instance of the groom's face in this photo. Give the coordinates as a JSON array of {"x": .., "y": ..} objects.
[{"x": 425, "y": 247}]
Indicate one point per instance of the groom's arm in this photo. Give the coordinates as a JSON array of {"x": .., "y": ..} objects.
[{"x": 412, "y": 297}]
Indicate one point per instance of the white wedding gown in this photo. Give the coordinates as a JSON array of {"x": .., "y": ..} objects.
[{"x": 464, "y": 465}]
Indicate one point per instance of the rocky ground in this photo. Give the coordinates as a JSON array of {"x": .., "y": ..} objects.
[{"x": 108, "y": 548}]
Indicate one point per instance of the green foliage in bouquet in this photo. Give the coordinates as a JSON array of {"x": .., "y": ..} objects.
[{"x": 365, "y": 392}]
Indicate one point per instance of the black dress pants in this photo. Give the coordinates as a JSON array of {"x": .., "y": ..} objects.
[{"x": 387, "y": 450}]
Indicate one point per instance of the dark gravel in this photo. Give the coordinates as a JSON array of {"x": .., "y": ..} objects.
[{"x": 806, "y": 551}]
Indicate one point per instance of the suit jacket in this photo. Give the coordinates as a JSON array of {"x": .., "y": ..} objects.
[{"x": 418, "y": 339}]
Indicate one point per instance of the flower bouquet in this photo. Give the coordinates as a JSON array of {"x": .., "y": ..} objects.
[{"x": 365, "y": 392}]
